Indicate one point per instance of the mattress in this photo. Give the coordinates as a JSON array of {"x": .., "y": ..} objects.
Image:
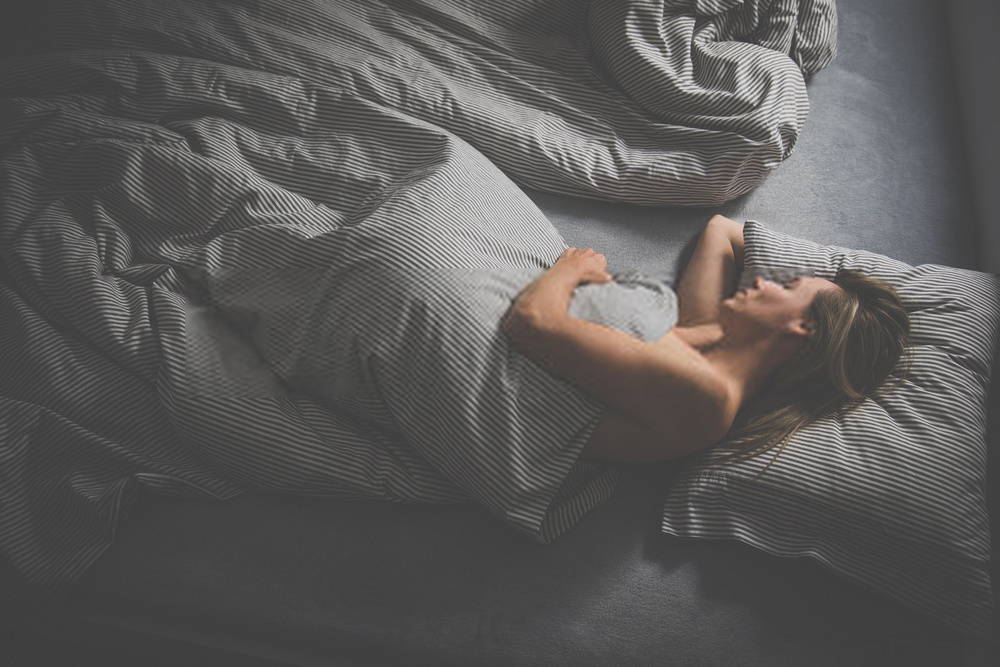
[{"x": 879, "y": 165}]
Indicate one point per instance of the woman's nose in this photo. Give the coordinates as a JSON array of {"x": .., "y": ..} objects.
[{"x": 758, "y": 281}]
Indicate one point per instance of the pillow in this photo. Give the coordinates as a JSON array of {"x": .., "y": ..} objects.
[{"x": 891, "y": 493}]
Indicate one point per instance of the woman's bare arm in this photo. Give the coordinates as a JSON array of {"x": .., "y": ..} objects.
[
  {"x": 668, "y": 390},
  {"x": 711, "y": 274},
  {"x": 620, "y": 438}
]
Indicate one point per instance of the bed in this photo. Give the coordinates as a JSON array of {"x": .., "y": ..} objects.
[{"x": 279, "y": 578}]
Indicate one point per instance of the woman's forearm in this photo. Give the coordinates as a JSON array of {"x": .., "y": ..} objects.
[
  {"x": 711, "y": 274},
  {"x": 538, "y": 322},
  {"x": 546, "y": 299}
]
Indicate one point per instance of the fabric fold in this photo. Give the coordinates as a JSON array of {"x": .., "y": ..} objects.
[
  {"x": 646, "y": 101},
  {"x": 218, "y": 280}
]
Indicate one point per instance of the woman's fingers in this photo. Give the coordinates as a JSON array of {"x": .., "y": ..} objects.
[
  {"x": 582, "y": 253},
  {"x": 586, "y": 263},
  {"x": 598, "y": 277}
]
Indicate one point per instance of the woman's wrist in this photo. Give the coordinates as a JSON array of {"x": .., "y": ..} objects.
[
  {"x": 529, "y": 321},
  {"x": 550, "y": 293}
]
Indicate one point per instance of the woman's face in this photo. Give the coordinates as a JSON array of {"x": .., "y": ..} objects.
[{"x": 771, "y": 306}]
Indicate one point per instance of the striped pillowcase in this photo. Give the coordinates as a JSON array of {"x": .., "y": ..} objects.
[{"x": 891, "y": 493}]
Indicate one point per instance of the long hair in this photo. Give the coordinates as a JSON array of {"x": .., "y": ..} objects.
[{"x": 859, "y": 335}]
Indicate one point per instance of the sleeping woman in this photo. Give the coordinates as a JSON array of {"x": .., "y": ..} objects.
[{"x": 750, "y": 365}]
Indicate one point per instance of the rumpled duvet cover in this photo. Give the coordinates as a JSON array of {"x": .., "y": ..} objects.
[{"x": 266, "y": 246}]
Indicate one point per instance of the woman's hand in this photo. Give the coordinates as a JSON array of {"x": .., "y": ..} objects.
[
  {"x": 585, "y": 265},
  {"x": 545, "y": 302}
]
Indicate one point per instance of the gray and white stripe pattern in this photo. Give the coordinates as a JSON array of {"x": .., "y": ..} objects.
[
  {"x": 891, "y": 493},
  {"x": 242, "y": 246},
  {"x": 644, "y": 101},
  {"x": 218, "y": 279}
]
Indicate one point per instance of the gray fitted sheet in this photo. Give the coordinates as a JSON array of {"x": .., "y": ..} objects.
[{"x": 879, "y": 165}]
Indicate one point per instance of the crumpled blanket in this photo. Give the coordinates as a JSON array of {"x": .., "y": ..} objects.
[
  {"x": 244, "y": 248},
  {"x": 688, "y": 102}
]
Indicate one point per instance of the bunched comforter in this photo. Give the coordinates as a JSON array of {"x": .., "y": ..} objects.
[{"x": 266, "y": 247}]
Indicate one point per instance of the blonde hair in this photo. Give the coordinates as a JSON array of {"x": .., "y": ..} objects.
[{"x": 859, "y": 334}]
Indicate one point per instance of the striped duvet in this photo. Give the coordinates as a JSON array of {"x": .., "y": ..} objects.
[{"x": 244, "y": 248}]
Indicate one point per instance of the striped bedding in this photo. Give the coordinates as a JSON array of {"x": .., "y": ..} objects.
[
  {"x": 889, "y": 492},
  {"x": 266, "y": 247}
]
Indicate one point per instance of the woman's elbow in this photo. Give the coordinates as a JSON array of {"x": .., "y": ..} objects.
[
  {"x": 721, "y": 404},
  {"x": 520, "y": 324},
  {"x": 683, "y": 429},
  {"x": 703, "y": 421}
]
